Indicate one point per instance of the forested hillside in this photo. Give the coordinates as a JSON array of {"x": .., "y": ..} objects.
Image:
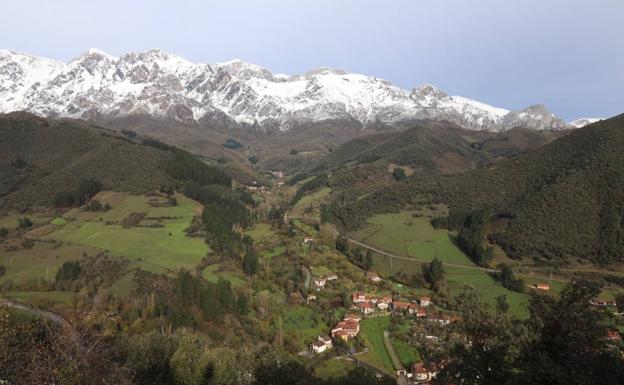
[
  {"x": 563, "y": 200},
  {"x": 40, "y": 158},
  {"x": 437, "y": 147}
]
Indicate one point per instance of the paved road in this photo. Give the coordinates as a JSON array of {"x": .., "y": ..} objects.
[{"x": 53, "y": 317}]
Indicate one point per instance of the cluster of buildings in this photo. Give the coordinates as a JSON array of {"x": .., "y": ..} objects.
[
  {"x": 368, "y": 304},
  {"x": 280, "y": 177},
  {"x": 348, "y": 328},
  {"x": 420, "y": 372}
]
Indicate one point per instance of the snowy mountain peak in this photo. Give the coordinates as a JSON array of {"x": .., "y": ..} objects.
[
  {"x": 154, "y": 82},
  {"x": 428, "y": 90}
]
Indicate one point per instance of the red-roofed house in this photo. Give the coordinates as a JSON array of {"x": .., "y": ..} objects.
[
  {"x": 346, "y": 330},
  {"x": 366, "y": 307},
  {"x": 358, "y": 297},
  {"x": 400, "y": 305},
  {"x": 416, "y": 310}
]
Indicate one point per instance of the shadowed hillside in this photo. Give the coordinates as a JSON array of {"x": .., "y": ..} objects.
[{"x": 40, "y": 157}]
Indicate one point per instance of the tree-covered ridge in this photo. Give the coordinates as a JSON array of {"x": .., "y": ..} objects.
[
  {"x": 187, "y": 167},
  {"x": 564, "y": 200},
  {"x": 436, "y": 147},
  {"x": 55, "y": 156}
]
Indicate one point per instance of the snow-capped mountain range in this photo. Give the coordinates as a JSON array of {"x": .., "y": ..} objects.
[{"x": 97, "y": 85}]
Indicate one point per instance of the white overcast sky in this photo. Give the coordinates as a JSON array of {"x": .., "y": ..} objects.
[{"x": 567, "y": 54}]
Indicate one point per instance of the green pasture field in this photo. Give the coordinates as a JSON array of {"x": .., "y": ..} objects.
[
  {"x": 31, "y": 297},
  {"x": 406, "y": 352},
  {"x": 211, "y": 274},
  {"x": 59, "y": 221},
  {"x": 333, "y": 368},
  {"x": 372, "y": 331},
  {"x": 261, "y": 232},
  {"x": 405, "y": 235},
  {"x": 274, "y": 252},
  {"x": 166, "y": 247},
  {"x": 11, "y": 221},
  {"x": 409, "y": 236},
  {"x": 305, "y": 322},
  {"x": 314, "y": 199},
  {"x": 41, "y": 261}
]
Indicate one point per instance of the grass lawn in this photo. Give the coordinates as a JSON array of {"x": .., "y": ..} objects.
[
  {"x": 275, "y": 252},
  {"x": 314, "y": 200},
  {"x": 333, "y": 368},
  {"x": 165, "y": 247},
  {"x": 59, "y": 221},
  {"x": 261, "y": 232},
  {"x": 305, "y": 227},
  {"x": 305, "y": 322},
  {"x": 211, "y": 274},
  {"x": 406, "y": 352},
  {"x": 40, "y": 262},
  {"x": 372, "y": 331},
  {"x": 12, "y": 221}
]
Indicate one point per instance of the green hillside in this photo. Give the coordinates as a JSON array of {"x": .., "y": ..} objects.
[
  {"x": 39, "y": 158},
  {"x": 563, "y": 200},
  {"x": 437, "y": 147}
]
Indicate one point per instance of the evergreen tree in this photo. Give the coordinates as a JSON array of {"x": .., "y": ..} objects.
[{"x": 250, "y": 263}]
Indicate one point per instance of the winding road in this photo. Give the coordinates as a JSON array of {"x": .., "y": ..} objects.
[{"x": 53, "y": 317}]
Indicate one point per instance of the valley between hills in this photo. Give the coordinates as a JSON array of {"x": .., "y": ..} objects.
[{"x": 361, "y": 258}]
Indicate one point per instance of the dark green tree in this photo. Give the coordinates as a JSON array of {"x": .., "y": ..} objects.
[
  {"x": 501, "y": 303},
  {"x": 399, "y": 174},
  {"x": 250, "y": 263}
]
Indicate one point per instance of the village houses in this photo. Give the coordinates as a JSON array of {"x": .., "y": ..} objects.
[
  {"x": 372, "y": 276},
  {"x": 348, "y": 328}
]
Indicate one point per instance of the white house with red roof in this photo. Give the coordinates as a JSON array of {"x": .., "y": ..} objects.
[{"x": 322, "y": 344}]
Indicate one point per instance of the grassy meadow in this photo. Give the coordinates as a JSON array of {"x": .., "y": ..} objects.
[
  {"x": 372, "y": 332},
  {"x": 166, "y": 246},
  {"x": 413, "y": 236}
]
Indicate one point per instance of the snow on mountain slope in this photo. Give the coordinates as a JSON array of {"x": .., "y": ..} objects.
[
  {"x": 581, "y": 122},
  {"x": 97, "y": 84}
]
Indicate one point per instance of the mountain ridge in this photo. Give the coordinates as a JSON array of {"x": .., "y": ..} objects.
[{"x": 234, "y": 94}]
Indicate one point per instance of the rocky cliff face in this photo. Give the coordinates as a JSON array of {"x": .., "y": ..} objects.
[{"x": 236, "y": 93}]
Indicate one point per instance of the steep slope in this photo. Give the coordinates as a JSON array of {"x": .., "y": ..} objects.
[
  {"x": 39, "y": 158},
  {"x": 565, "y": 200},
  {"x": 233, "y": 95}
]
